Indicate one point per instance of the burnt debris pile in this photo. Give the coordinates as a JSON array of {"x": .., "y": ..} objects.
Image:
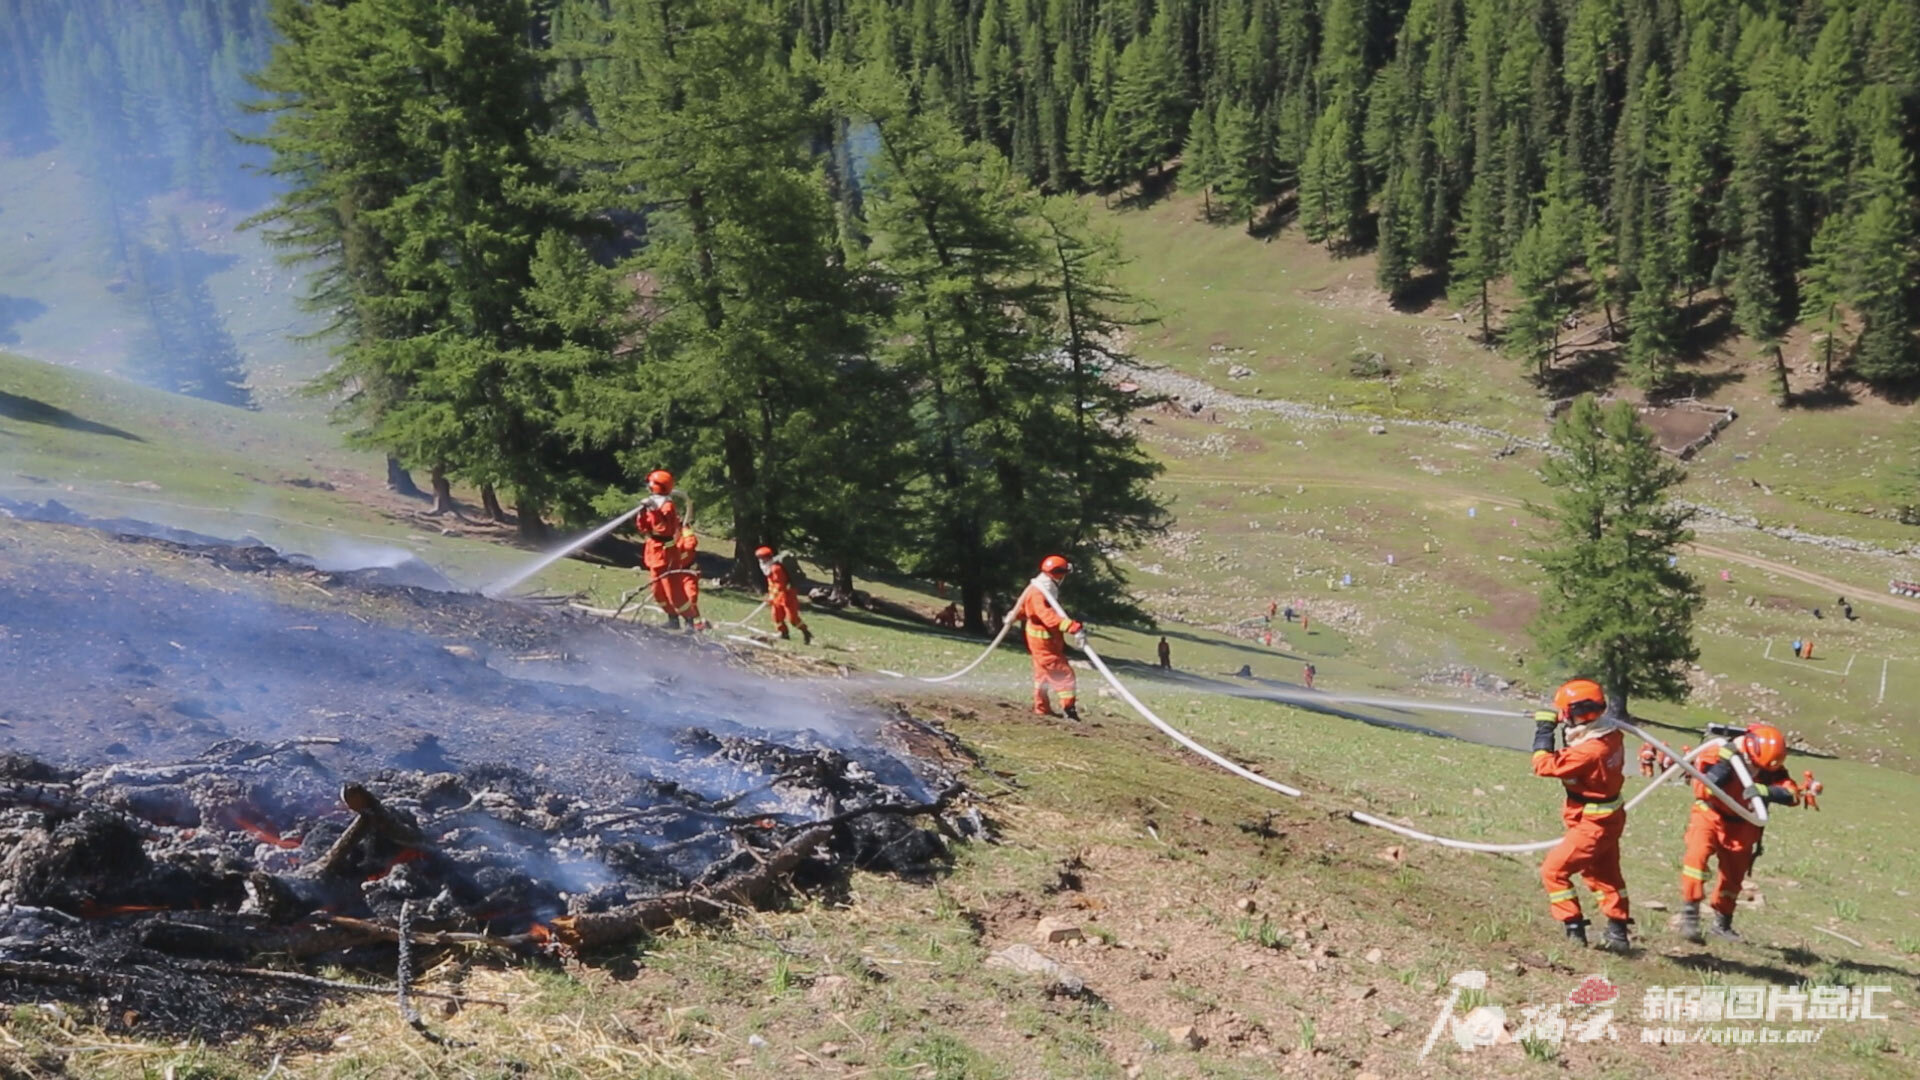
[{"x": 119, "y": 883}]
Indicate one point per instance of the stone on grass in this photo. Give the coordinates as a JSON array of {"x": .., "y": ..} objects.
[
  {"x": 1186, "y": 1037},
  {"x": 1031, "y": 961},
  {"x": 1052, "y": 931}
]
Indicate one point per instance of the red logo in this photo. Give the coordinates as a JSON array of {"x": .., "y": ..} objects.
[{"x": 1593, "y": 990}]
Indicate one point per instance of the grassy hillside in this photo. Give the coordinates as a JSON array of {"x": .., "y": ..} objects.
[
  {"x": 1147, "y": 847},
  {"x": 66, "y": 299}
]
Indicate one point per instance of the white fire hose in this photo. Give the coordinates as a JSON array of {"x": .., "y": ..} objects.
[{"x": 1754, "y": 815}]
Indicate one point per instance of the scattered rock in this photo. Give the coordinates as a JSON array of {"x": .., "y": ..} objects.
[
  {"x": 1394, "y": 854},
  {"x": 1377, "y": 429},
  {"x": 1186, "y": 1037},
  {"x": 1134, "y": 1072},
  {"x": 1359, "y": 993},
  {"x": 1246, "y": 905},
  {"x": 1654, "y": 905},
  {"x": 756, "y": 1042},
  {"x": 830, "y": 1049},
  {"x": 1374, "y": 955},
  {"x": 1239, "y": 371},
  {"x": 1514, "y": 968},
  {"x": 1052, "y": 931},
  {"x": 829, "y": 988},
  {"x": 1031, "y": 961},
  {"x": 464, "y": 652},
  {"x": 1368, "y": 1075}
]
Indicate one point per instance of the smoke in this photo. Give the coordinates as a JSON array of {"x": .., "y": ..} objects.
[{"x": 100, "y": 663}]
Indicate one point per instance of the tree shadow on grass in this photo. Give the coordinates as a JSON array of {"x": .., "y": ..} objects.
[
  {"x": 1150, "y": 189},
  {"x": 1587, "y": 372},
  {"x": 39, "y": 412},
  {"x": 1835, "y": 394},
  {"x": 1283, "y": 212},
  {"x": 1427, "y": 288}
]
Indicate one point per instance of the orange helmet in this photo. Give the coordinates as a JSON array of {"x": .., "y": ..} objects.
[
  {"x": 660, "y": 482},
  {"x": 1055, "y": 566},
  {"x": 1764, "y": 745},
  {"x": 1579, "y": 700},
  {"x": 763, "y": 553}
]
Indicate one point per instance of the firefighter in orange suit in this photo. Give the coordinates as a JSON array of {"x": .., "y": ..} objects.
[
  {"x": 1592, "y": 767},
  {"x": 669, "y": 547},
  {"x": 781, "y": 597},
  {"x": 1713, "y": 830},
  {"x": 1047, "y": 638}
]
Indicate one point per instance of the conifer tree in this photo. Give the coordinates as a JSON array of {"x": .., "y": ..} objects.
[{"x": 1614, "y": 605}]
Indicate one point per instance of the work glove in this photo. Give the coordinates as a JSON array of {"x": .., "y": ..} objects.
[
  {"x": 1543, "y": 735},
  {"x": 1545, "y": 716},
  {"x": 1749, "y": 793},
  {"x": 1810, "y": 791}
]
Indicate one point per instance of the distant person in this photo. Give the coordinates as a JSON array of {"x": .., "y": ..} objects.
[
  {"x": 949, "y": 617},
  {"x": 781, "y": 597},
  {"x": 1273, "y": 608},
  {"x": 1047, "y": 634},
  {"x": 1816, "y": 613},
  {"x": 1311, "y": 670},
  {"x": 1847, "y": 610},
  {"x": 1269, "y": 639},
  {"x": 1166, "y": 654},
  {"x": 1797, "y": 646},
  {"x": 1289, "y": 612}
]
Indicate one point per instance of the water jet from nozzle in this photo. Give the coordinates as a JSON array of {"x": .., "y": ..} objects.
[{"x": 554, "y": 556}]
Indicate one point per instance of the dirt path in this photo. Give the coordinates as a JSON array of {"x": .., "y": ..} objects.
[{"x": 1860, "y": 593}]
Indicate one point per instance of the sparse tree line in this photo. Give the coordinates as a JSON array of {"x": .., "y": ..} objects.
[
  {"x": 563, "y": 245},
  {"x": 1635, "y": 158}
]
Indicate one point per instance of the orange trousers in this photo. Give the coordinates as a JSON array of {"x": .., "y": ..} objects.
[
  {"x": 1050, "y": 670},
  {"x": 1590, "y": 848},
  {"x": 677, "y": 594},
  {"x": 1710, "y": 835},
  {"x": 786, "y": 609}
]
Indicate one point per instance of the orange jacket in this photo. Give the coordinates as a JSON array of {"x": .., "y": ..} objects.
[
  {"x": 1042, "y": 621},
  {"x": 658, "y": 520},
  {"x": 1776, "y": 785},
  {"x": 777, "y": 584},
  {"x": 1593, "y": 770}
]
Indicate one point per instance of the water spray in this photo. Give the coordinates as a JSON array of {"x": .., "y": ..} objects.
[{"x": 494, "y": 590}]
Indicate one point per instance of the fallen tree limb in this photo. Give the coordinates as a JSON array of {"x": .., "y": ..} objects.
[{"x": 748, "y": 889}]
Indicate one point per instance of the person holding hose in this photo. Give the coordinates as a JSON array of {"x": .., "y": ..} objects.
[
  {"x": 1047, "y": 638},
  {"x": 781, "y": 597},
  {"x": 668, "y": 553},
  {"x": 1715, "y": 832},
  {"x": 1592, "y": 767}
]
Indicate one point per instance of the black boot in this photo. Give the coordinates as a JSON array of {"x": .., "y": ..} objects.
[
  {"x": 784, "y": 636},
  {"x": 673, "y": 622},
  {"x": 806, "y": 636},
  {"x": 1616, "y": 939},
  {"x": 1689, "y": 927},
  {"x": 1576, "y": 931},
  {"x": 1723, "y": 926},
  {"x": 1072, "y": 712}
]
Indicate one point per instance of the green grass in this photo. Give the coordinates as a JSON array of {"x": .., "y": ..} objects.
[{"x": 1283, "y": 513}]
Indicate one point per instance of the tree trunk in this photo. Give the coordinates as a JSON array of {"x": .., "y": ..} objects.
[
  {"x": 1486, "y": 330},
  {"x": 1780, "y": 373},
  {"x": 531, "y": 528},
  {"x": 1616, "y": 699},
  {"x": 738, "y": 453},
  {"x": 973, "y": 600},
  {"x": 490, "y": 500},
  {"x": 843, "y": 578},
  {"x": 442, "y": 492},
  {"x": 400, "y": 481}
]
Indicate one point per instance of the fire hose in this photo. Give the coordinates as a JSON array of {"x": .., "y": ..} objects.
[{"x": 1755, "y": 815}]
